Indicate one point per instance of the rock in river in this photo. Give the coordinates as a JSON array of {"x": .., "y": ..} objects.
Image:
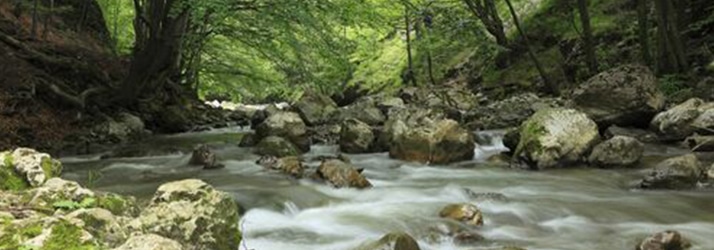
[
  {"x": 683, "y": 172},
  {"x": 619, "y": 151},
  {"x": 556, "y": 137}
]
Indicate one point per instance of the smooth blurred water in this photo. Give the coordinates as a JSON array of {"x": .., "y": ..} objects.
[{"x": 570, "y": 209}]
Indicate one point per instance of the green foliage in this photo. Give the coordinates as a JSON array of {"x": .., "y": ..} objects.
[
  {"x": 67, "y": 236},
  {"x": 93, "y": 176},
  {"x": 671, "y": 84},
  {"x": 70, "y": 205},
  {"x": 119, "y": 16}
]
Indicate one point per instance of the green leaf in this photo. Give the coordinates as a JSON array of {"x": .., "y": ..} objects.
[{"x": 66, "y": 204}]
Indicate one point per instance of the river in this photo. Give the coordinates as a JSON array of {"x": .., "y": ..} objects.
[{"x": 570, "y": 209}]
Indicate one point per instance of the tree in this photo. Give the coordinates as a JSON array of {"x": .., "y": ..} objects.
[
  {"x": 410, "y": 64},
  {"x": 643, "y": 28},
  {"x": 591, "y": 58},
  {"x": 670, "y": 47},
  {"x": 486, "y": 11},
  {"x": 552, "y": 89}
]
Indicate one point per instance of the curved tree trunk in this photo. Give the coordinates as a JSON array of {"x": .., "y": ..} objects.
[{"x": 551, "y": 88}]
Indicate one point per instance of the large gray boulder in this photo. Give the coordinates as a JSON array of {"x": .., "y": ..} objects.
[
  {"x": 287, "y": 125},
  {"x": 683, "y": 172},
  {"x": 619, "y": 151},
  {"x": 122, "y": 128},
  {"x": 626, "y": 96},
  {"x": 102, "y": 224},
  {"x": 556, "y": 137},
  {"x": 192, "y": 213},
  {"x": 315, "y": 109},
  {"x": 509, "y": 112},
  {"x": 683, "y": 120},
  {"x": 356, "y": 137},
  {"x": 432, "y": 142},
  {"x": 364, "y": 110}
]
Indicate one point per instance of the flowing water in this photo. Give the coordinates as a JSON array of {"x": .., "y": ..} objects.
[{"x": 573, "y": 209}]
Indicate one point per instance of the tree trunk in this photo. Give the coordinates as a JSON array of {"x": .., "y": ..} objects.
[
  {"x": 486, "y": 11},
  {"x": 671, "y": 55},
  {"x": 157, "y": 52},
  {"x": 643, "y": 28},
  {"x": 551, "y": 88},
  {"x": 588, "y": 37},
  {"x": 410, "y": 78},
  {"x": 48, "y": 16},
  {"x": 34, "y": 18}
]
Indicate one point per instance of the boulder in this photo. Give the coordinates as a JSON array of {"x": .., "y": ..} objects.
[
  {"x": 509, "y": 112},
  {"x": 433, "y": 142},
  {"x": 556, "y": 137},
  {"x": 290, "y": 165},
  {"x": 700, "y": 143},
  {"x": 392, "y": 241},
  {"x": 149, "y": 242},
  {"x": 684, "y": 119},
  {"x": 327, "y": 134},
  {"x": 203, "y": 156},
  {"x": 667, "y": 240},
  {"x": 248, "y": 140},
  {"x": 683, "y": 172},
  {"x": 102, "y": 224},
  {"x": 626, "y": 96},
  {"x": 340, "y": 174},
  {"x": 388, "y": 103},
  {"x": 287, "y": 125},
  {"x": 277, "y": 146},
  {"x": 465, "y": 213},
  {"x": 59, "y": 190},
  {"x": 619, "y": 151},
  {"x": 25, "y": 167},
  {"x": 401, "y": 119},
  {"x": 641, "y": 135},
  {"x": 364, "y": 110},
  {"x": 122, "y": 128},
  {"x": 192, "y": 213},
  {"x": 173, "y": 119},
  {"x": 356, "y": 137},
  {"x": 315, "y": 109}
]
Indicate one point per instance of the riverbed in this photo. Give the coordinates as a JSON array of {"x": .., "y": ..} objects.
[{"x": 570, "y": 209}]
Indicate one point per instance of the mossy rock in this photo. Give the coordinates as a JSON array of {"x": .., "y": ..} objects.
[
  {"x": 277, "y": 146},
  {"x": 10, "y": 180},
  {"x": 66, "y": 235},
  {"x": 13, "y": 234},
  {"x": 118, "y": 205}
]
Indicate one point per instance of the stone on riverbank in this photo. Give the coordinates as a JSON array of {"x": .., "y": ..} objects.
[
  {"x": 149, "y": 242},
  {"x": 287, "y": 125},
  {"x": 315, "y": 109},
  {"x": 340, "y": 175},
  {"x": 466, "y": 213},
  {"x": 667, "y": 240},
  {"x": 24, "y": 167},
  {"x": 356, "y": 137},
  {"x": 192, "y": 213},
  {"x": 433, "y": 142},
  {"x": 277, "y": 146},
  {"x": 683, "y": 120},
  {"x": 392, "y": 241}
]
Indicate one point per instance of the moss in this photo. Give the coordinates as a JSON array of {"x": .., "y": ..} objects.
[
  {"x": 51, "y": 167},
  {"x": 117, "y": 204},
  {"x": 9, "y": 178},
  {"x": 530, "y": 133},
  {"x": 66, "y": 236},
  {"x": 15, "y": 235}
]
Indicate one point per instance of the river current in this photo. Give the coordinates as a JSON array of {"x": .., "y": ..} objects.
[{"x": 570, "y": 209}]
